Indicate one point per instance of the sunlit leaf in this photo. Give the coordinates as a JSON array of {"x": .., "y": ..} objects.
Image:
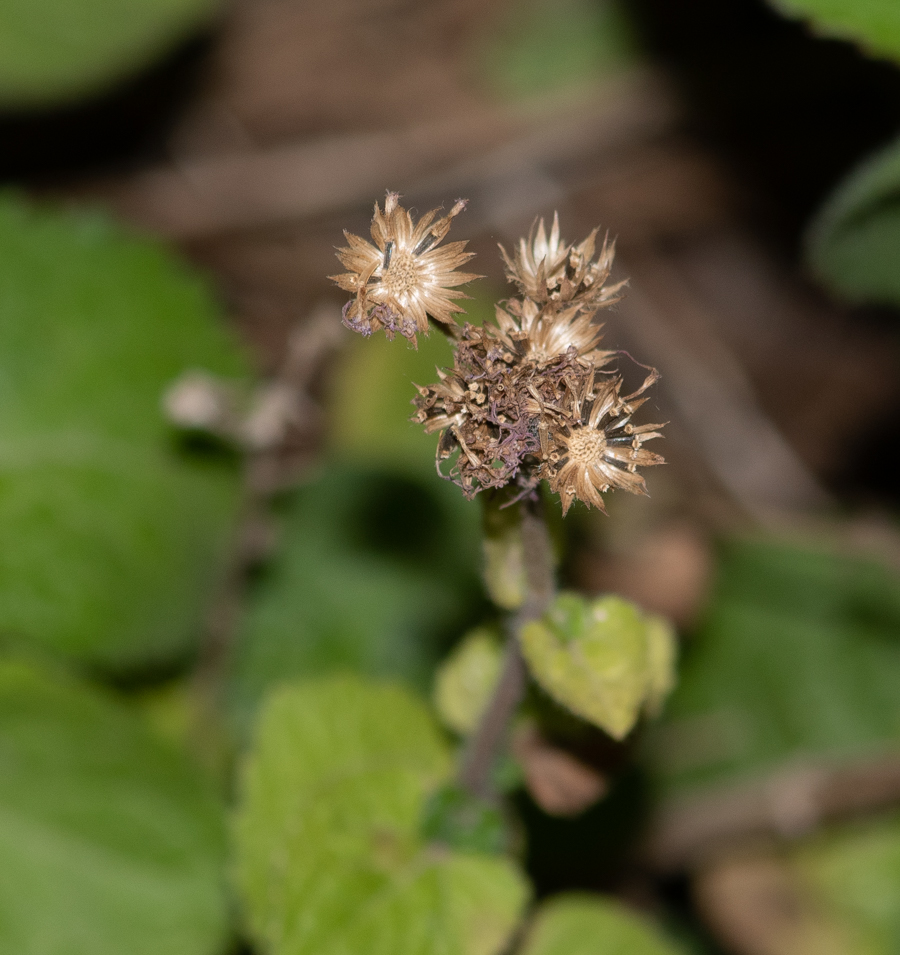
[
  {"x": 109, "y": 841},
  {"x": 594, "y": 657},
  {"x": 330, "y": 856},
  {"x": 576, "y": 924},
  {"x": 113, "y": 536},
  {"x": 53, "y": 51}
]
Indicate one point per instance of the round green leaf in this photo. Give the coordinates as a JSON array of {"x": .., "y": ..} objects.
[
  {"x": 594, "y": 657},
  {"x": 329, "y": 853},
  {"x": 575, "y": 924},
  {"x": 53, "y": 51},
  {"x": 466, "y": 680},
  {"x": 109, "y": 841},
  {"x": 113, "y": 535},
  {"x": 873, "y": 24}
]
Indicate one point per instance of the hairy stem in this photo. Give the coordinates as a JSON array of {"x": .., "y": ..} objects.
[{"x": 485, "y": 743}]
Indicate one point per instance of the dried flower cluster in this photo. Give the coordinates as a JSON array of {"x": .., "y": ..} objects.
[{"x": 528, "y": 398}]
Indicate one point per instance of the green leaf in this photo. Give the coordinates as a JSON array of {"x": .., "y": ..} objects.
[
  {"x": 54, "y": 51},
  {"x": 799, "y": 656},
  {"x": 110, "y": 842},
  {"x": 466, "y": 680},
  {"x": 852, "y": 245},
  {"x": 113, "y": 535},
  {"x": 369, "y": 577},
  {"x": 595, "y": 658},
  {"x": 852, "y": 874},
  {"x": 873, "y": 24},
  {"x": 576, "y": 924},
  {"x": 329, "y": 853}
]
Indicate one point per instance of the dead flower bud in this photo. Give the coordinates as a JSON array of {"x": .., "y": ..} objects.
[
  {"x": 549, "y": 269},
  {"x": 404, "y": 277}
]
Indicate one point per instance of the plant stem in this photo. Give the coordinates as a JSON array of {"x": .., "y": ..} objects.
[{"x": 485, "y": 743}]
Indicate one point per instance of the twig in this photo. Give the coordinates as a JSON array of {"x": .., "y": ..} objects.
[
  {"x": 484, "y": 744},
  {"x": 283, "y": 407}
]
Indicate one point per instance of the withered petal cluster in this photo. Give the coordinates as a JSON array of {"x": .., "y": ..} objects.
[
  {"x": 530, "y": 398},
  {"x": 405, "y": 277}
]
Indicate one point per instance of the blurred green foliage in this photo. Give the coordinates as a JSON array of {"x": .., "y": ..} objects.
[
  {"x": 543, "y": 46},
  {"x": 873, "y": 24},
  {"x": 110, "y": 842},
  {"x": 375, "y": 571},
  {"x": 334, "y": 794},
  {"x": 371, "y": 401},
  {"x": 799, "y": 655},
  {"x": 113, "y": 533},
  {"x": 853, "y": 874},
  {"x": 576, "y": 924},
  {"x": 57, "y": 51},
  {"x": 853, "y": 243},
  {"x": 466, "y": 679}
]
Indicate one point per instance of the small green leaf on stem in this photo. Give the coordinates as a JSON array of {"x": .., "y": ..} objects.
[
  {"x": 602, "y": 659},
  {"x": 466, "y": 680}
]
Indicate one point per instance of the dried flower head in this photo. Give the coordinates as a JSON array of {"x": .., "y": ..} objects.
[
  {"x": 528, "y": 398},
  {"x": 595, "y": 446},
  {"x": 553, "y": 270},
  {"x": 404, "y": 277},
  {"x": 541, "y": 333}
]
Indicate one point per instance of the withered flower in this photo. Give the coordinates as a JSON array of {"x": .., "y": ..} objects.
[
  {"x": 528, "y": 398},
  {"x": 404, "y": 277},
  {"x": 541, "y": 333},
  {"x": 553, "y": 270},
  {"x": 595, "y": 446}
]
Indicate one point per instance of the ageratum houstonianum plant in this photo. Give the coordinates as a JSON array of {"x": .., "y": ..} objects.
[{"x": 531, "y": 397}]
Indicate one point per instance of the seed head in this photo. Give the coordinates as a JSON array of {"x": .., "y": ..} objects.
[
  {"x": 552, "y": 270},
  {"x": 404, "y": 277},
  {"x": 529, "y": 397},
  {"x": 596, "y": 447}
]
